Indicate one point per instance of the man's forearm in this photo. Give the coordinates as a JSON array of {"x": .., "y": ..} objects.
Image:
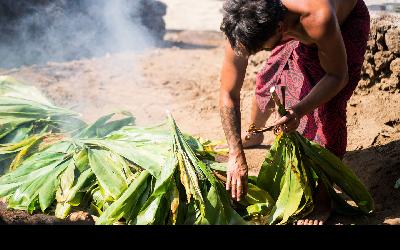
[
  {"x": 232, "y": 75},
  {"x": 327, "y": 88},
  {"x": 230, "y": 119}
]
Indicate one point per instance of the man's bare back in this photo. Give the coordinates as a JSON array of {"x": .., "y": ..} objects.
[{"x": 306, "y": 11}]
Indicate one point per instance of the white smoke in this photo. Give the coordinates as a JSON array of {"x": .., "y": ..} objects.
[{"x": 66, "y": 30}]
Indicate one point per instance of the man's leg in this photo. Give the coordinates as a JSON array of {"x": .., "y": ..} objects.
[
  {"x": 259, "y": 118},
  {"x": 322, "y": 208}
]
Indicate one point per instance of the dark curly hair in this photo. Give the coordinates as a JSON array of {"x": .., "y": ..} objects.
[{"x": 248, "y": 24}]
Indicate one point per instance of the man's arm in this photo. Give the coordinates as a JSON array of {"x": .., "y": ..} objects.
[
  {"x": 323, "y": 28},
  {"x": 325, "y": 31},
  {"x": 232, "y": 76}
]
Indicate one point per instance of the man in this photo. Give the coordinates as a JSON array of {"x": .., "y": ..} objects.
[{"x": 318, "y": 49}]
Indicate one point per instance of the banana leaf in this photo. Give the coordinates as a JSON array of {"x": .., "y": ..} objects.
[
  {"x": 211, "y": 204},
  {"x": 111, "y": 167},
  {"x": 126, "y": 203},
  {"x": 26, "y": 117},
  {"x": 45, "y": 176},
  {"x": 10, "y": 87},
  {"x": 149, "y": 213},
  {"x": 336, "y": 172},
  {"x": 292, "y": 171}
]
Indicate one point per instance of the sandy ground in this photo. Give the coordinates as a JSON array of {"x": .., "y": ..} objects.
[{"x": 183, "y": 77}]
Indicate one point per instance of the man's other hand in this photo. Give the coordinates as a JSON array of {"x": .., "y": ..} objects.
[{"x": 237, "y": 173}]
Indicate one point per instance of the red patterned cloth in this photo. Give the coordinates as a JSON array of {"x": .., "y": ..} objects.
[{"x": 296, "y": 66}]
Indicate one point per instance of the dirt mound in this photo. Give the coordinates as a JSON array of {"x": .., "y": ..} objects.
[{"x": 382, "y": 62}]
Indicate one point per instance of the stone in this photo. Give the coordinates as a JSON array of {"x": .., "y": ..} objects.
[
  {"x": 395, "y": 67},
  {"x": 392, "y": 40},
  {"x": 152, "y": 13},
  {"x": 392, "y": 221},
  {"x": 368, "y": 70},
  {"x": 81, "y": 217},
  {"x": 390, "y": 84},
  {"x": 38, "y": 31},
  {"x": 382, "y": 60},
  {"x": 364, "y": 83},
  {"x": 369, "y": 57}
]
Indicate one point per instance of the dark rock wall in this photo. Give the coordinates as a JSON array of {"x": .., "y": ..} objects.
[
  {"x": 151, "y": 12},
  {"x": 38, "y": 31}
]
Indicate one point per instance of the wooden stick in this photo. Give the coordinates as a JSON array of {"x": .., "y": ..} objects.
[
  {"x": 275, "y": 96},
  {"x": 283, "y": 91},
  {"x": 281, "y": 109},
  {"x": 219, "y": 176}
]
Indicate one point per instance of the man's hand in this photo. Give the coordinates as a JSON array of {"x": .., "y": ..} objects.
[
  {"x": 290, "y": 122},
  {"x": 237, "y": 173}
]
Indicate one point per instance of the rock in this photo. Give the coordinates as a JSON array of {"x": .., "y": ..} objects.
[
  {"x": 392, "y": 221},
  {"x": 382, "y": 60},
  {"x": 152, "y": 13},
  {"x": 371, "y": 45},
  {"x": 364, "y": 83},
  {"x": 395, "y": 67},
  {"x": 392, "y": 39},
  {"x": 369, "y": 70},
  {"x": 372, "y": 34},
  {"x": 384, "y": 24},
  {"x": 39, "y": 31},
  {"x": 369, "y": 56},
  {"x": 390, "y": 84},
  {"x": 81, "y": 217}
]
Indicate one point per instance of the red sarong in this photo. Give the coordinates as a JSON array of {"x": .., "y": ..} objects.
[{"x": 296, "y": 66}]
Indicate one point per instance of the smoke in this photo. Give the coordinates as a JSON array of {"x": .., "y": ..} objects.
[{"x": 66, "y": 30}]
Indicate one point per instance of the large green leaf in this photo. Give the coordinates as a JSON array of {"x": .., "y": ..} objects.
[
  {"x": 103, "y": 126},
  {"x": 340, "y": 175},
  {"x": 108, "y": 171},
  {"x": 149, "y": 156},
  {"x": 272, "y": 173},
  {"x": 214, "y": 205},
  {"x": 163, "y": 185},
  {"x": 10, "y": 87},
  {"x": 31, "y": 169},
  {"x": 126, "y": 202},
  {"x": 40, "y": 191}
]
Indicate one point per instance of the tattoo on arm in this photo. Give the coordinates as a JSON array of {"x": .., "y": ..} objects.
[{"x": 230, "y": 118}]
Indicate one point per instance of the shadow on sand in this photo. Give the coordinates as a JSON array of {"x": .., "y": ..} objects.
[{"x": 378, "y": 167}]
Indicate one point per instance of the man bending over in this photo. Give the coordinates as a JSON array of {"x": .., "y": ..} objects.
[{"x": 317, "y": 50}]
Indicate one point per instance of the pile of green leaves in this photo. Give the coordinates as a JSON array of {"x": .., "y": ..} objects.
[
  {"x": 116, "y": 171},
  {"x": 26, "y": 117},
  {"x": 292, "y": 171},
  {"x": 139, "y": 175}
]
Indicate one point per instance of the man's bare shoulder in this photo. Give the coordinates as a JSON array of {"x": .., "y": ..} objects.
[
  {"x": 317, "y": 11},
  {"x": 306, "y": 8},
  {"x": 317, "y": 17}
]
